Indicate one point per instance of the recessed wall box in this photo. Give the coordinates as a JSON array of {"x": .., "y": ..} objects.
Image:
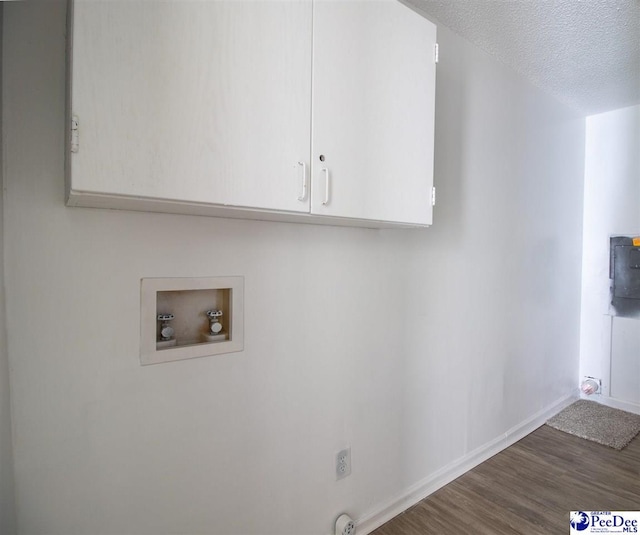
[{"x": 205, "y": 315}]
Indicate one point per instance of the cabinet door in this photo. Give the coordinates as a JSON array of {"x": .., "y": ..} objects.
[
  {"x": 195, "y": 101},
  {"x": 373, "y": 111}
]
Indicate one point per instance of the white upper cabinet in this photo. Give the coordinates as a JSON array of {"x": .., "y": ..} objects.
[
  {"x": 373, "y": 111},
  {"x": 193, "y": 101},
  {"x": 225, "y": 108}
]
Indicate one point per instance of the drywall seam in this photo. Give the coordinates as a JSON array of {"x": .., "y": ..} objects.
[{"x": 411, "y": 496}]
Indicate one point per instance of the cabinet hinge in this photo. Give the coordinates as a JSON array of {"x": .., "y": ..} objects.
[
  {"x": 433, "y": 196},
  {"x": 435, "y": 52},
  {"x": 75, "y": 136}
]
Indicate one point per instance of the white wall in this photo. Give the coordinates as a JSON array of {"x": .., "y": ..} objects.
[
  {"x": 7, "y": 505},
  {"x": 413, "y": 347},
  {"x": 611, "y": 207},
  {"x": 492, "y": 313}
]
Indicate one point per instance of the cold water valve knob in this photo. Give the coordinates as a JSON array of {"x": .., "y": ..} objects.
[{"x": 214, "y": 321}]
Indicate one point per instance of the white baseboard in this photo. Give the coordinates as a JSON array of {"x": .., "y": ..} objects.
[
  {"x": 615, "y": 403},
  {"x": 412, "y": 495}
]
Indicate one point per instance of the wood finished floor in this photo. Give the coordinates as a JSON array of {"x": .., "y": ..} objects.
[{"x": 529, "y": 488}]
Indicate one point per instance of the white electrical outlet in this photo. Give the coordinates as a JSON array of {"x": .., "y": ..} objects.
[
  {"x": 343, "y": 463},
  {"x": 345, "y": 525}
]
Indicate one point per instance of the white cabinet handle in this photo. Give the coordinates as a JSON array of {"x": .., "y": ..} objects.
[
  {"x": 327, "y": 182},
  {"x": 303, "y": 195}
]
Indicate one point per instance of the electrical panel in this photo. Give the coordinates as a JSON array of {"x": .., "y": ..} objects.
[{"x": 624, "y": 271}]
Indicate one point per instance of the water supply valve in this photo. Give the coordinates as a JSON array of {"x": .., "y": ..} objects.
[
  {"x": 214, "y": 321},
  {"x": 166, "y": 331}
]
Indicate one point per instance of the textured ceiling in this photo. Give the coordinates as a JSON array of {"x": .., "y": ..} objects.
[{"x": 584, "y": 52}]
